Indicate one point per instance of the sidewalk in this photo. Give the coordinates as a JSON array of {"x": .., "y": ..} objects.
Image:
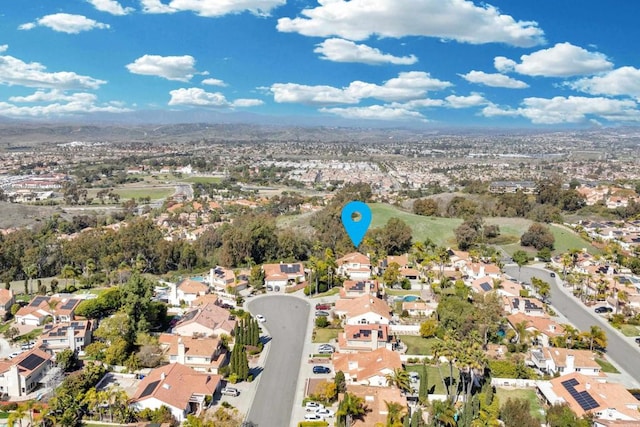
[{"x": 623, "y": 377}]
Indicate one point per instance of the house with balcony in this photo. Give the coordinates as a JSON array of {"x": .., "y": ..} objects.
[
  {"x": 21, "y": 375},
  {"x": 74, "y": 336},
  {"x": 221, "y": 278},
  {"x": 205, "y": 354},
  {"x": 356, "y": 338},
  {"x": 354, "y": 266},
  {"x": 562, "y": 361}
]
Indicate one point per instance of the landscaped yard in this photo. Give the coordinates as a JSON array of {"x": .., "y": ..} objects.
[
  {"x": 629, "y": 330},
  {"x": 435, "y": 377},
  {"x": 31, "y": 336},
  {"x": 322, "y": 335},
  {"x": 135, "y": 193},
  {"x": 203, "y": 179},
  {"x": 522, "y": 393},
  {"x": 416, "y": 345},
  {"x": 606, "y": 366}
]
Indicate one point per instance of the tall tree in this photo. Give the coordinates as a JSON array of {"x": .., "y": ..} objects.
[
  {"x": 395, "y": 413},
  {"x": 350, "y": 408}
]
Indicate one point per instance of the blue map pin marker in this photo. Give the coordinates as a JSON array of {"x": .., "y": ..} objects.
[{"x": 356, "y": 229}]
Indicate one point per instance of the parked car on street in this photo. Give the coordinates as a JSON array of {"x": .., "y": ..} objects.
[
  {"x": 312, "y": 417},
  {"x": 260, "y": 318},
  {"x": 603, "y": 309},
  {"x": 321, "y": 370},
  {"x": 321, "y": 306},
  {"x": 322, "y": 313}
]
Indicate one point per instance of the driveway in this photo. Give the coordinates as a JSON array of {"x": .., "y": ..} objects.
[
  {"x": 620, "y": 349},
  {"x": 287, "y": 324}
]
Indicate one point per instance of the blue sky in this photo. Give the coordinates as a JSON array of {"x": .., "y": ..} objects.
[{"x": 432, "y": 62}]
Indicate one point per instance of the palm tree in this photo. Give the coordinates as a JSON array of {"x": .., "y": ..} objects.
[
  {"x": 92, "y": 401},
  {"x": 395, "y": 413},
  {"x": 399, "y": 378},
  {"x": 597, "y": 338},
  {"x": 351, "y": 407},
  {"x": 521, "y": 332},
  {"x": 31, "y": 271},
  {"x": 449, "y": 349},
  {"x": 68, "y": 272},
  {"x": 17, "y": 415},
  {"x": 443, "y": 413},
  {"x": 570, "y": 335},
  {"x": 622, "y": 296}
]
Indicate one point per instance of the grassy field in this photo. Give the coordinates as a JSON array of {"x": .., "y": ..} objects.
[
  {"x": 135, "y": 193},
  {"x": 434, "y": 379},
  {"x": 325, "y": 335},
  {"x": 418, "y": 345},
  {"x": 606, "y": 366},
  {"x": 522, "y": 393},
  {"x": 441, "y": 230},
  {"x": 203, "y": 179}
]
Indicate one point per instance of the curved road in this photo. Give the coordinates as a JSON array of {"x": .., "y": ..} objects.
[
  {"x": 287, "y": 322},
  {"x": 623, "y": 352}
]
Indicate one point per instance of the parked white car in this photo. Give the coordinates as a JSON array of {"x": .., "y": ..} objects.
[
  {"x": 325, "y": 413},
  {"x": 313, "y": 406}
]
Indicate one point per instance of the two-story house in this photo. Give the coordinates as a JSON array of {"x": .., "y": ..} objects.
[
  {"x": 527, "y": 306},
  {"x": 553, "y": 360},
  {"x": 41, "y": 307},
  {"x": 206, "y": 320},
  {"x": 74, "y": 335},
  {"x": 363, "y": 310},
  {"x": 21, "y": 375},
  {"x": 357, "y": 338},
  {"x": 278, "y": 276},
  {"x": 357, "y": 288},
  {"x": 221, "y": 278},
  {"x": 202, "y": 354},
  {"x": 355, "y": 266},
  {"x": 367, "y": 368}
]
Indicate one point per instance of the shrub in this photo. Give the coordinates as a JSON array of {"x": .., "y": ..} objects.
[
  {"x": 322, "y": 321},
  {"x": 233, "y": 378}
]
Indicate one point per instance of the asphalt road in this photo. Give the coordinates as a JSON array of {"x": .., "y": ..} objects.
[
  {"x": 623, "y": 352},
  {"x": 287, "y": 322}
]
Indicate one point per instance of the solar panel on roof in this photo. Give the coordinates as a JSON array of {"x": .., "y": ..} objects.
[
  {"x": 38, "y": 300},
  {"x": 289, "y": 268},
  {"x": 582, "y": 398},
  {"x": 485, "y": 286},
  {"x": 69, "y": 304},
  {"x": 31, "y": 362},
  {"x": 149, "y": 388}
]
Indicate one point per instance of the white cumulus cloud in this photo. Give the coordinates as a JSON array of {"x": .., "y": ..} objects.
[
  {"x": 197, "y": 97},
  {"x": 624, "y": 81},
  {"x": 111, "y": 6},
  {"x": 179, "y": 68},
  {"x": 65, "y": 23},
  {"x": 212, "y": 8},
  {"x": 473, "y": 100},
  {"x": 407, "y": 86},
  {"x": 14, "y": 71},
  {"x": 572, "y": 109},
  {"x": 214, "y": 82},
  {"x": 57, "y": 103},
  {"x": 493, "y": 80},
  {"x": 504, "y": 65},
  {"x": 340, "y": 50},
  {"x": 561, "y": 60},
  {"x": 459, "y": 20}
]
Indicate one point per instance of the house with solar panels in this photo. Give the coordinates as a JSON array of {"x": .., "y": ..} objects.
[
  {"x": 23, "y": 374},
  {"x": 278, "y": 276},
  {"x": 588, "y": 395},
  {"x": 355, "y": 266},
  {"x": 74, "y": 335},
  {"x": 40, "y": 307}
]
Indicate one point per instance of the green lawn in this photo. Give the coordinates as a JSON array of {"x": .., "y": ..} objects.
[
  {"x": 606, "y": 366},
  {"x": 441, "y": 230},
  {"x": 31, "y": 336},
  {"x": 324, "y": 335},
  {"x": 629, "y": 330},
  {"x": 332, "y": 291},
  {"x": 203, "y": 179},
  {"x": 434, "y": 377},
  {"x": 521, "y": 393},
  {"x": 135, "y": 193},
  {"x": 416, "y": 345}
]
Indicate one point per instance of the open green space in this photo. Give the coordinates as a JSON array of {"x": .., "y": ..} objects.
[
  {"x": 325, "y": 335},
  {"x": 436, "y": 377},
  {"x": 135, "y": 193},
  {"x": 332, "y": 291},
  {"x": 522, "y": 393},
  {"x": 441, "y": 230},
  {"x": 416, "y": 345},
  {"x": 606, "y": 366},
  {"x": 203, "y": 179}
]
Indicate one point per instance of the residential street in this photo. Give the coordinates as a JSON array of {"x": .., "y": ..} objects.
[
  {"x": 286, "y": 322},
  {"x": 622, "y": 350}
]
